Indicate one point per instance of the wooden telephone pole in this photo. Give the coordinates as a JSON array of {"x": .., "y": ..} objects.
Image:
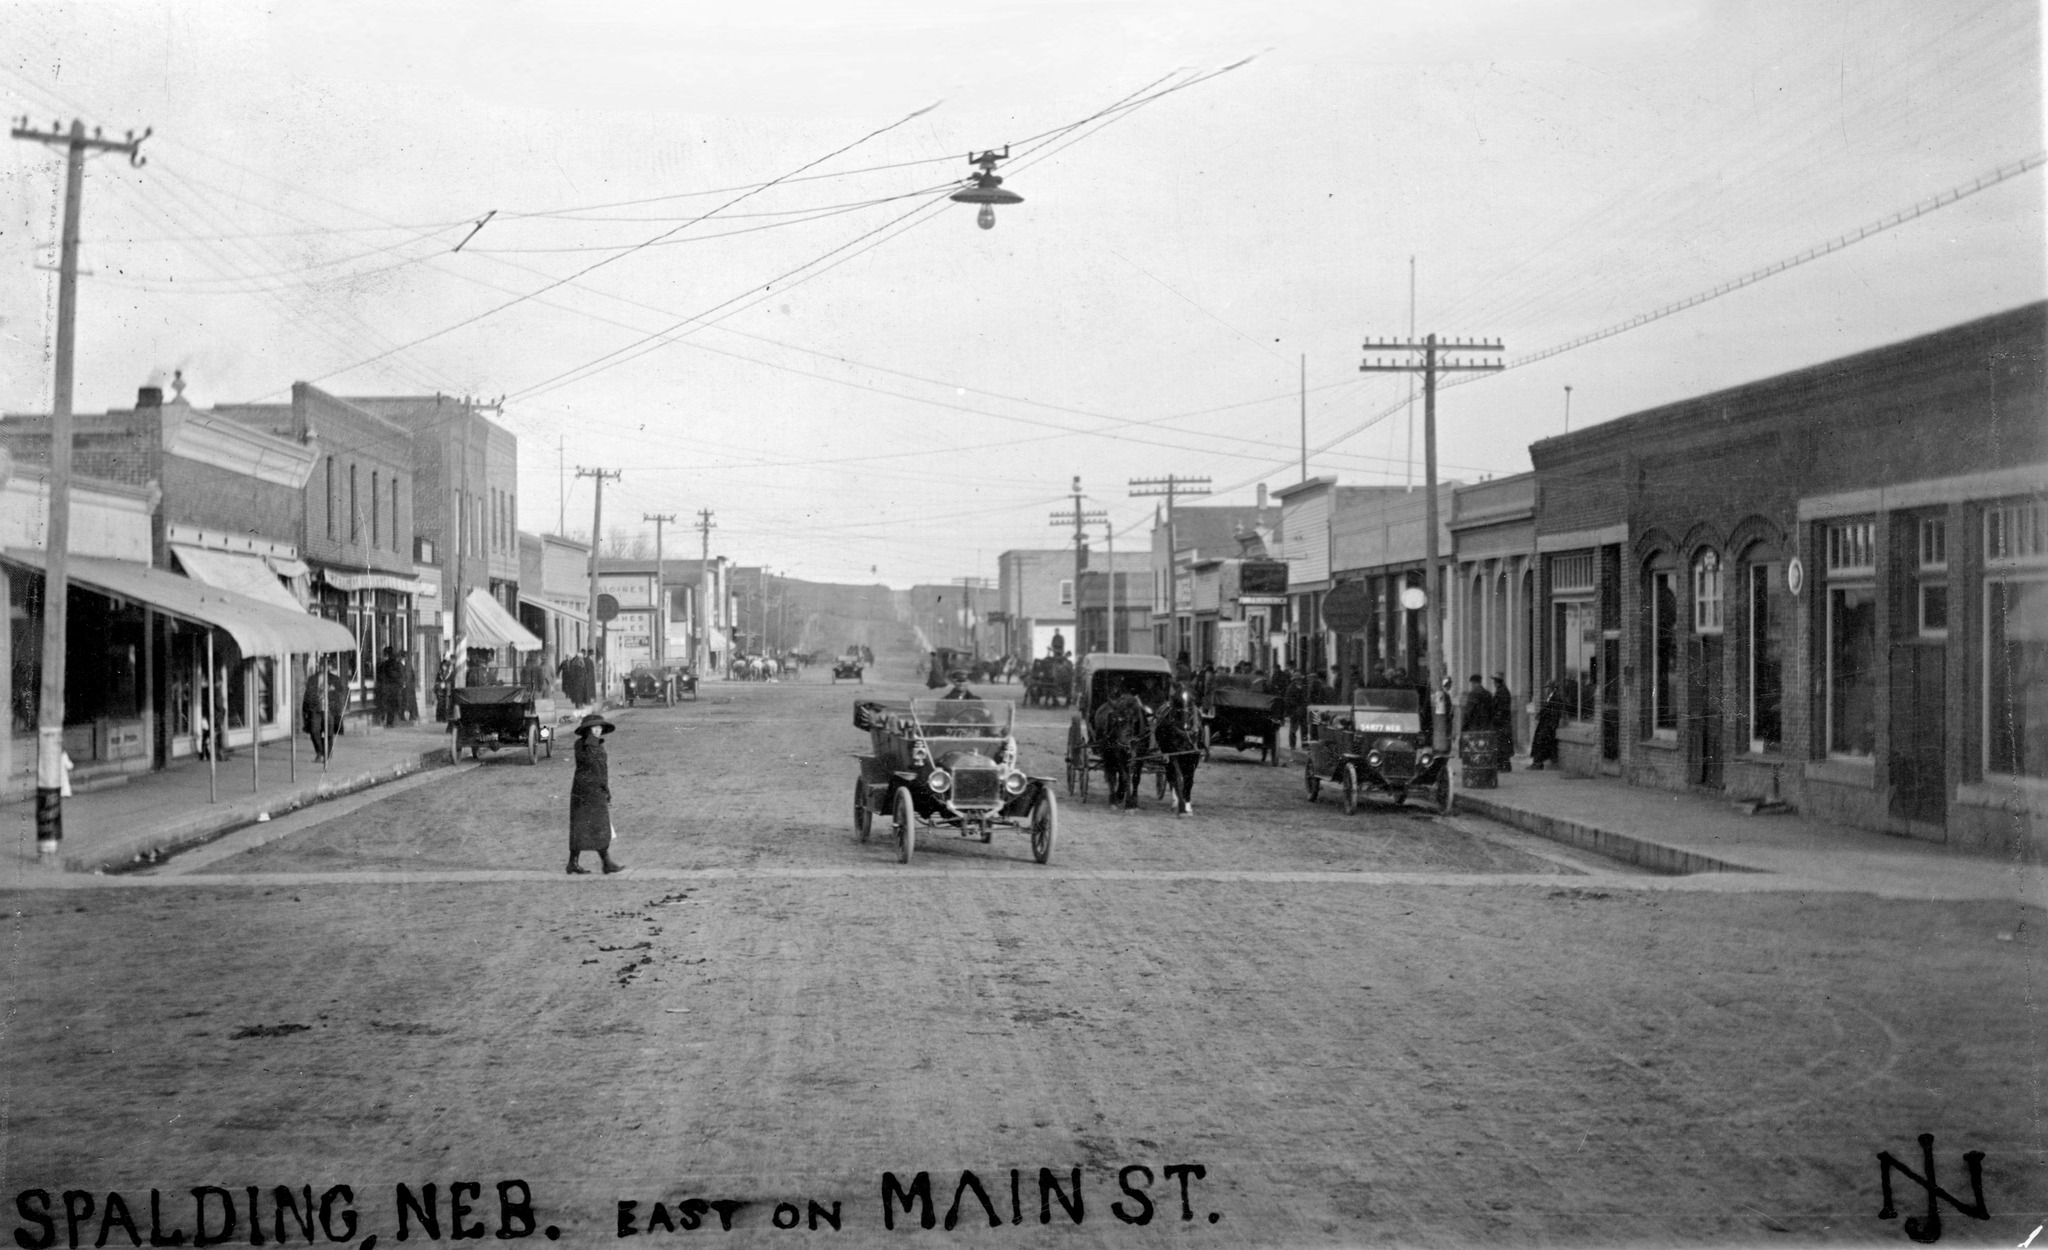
[
  {"x": 1429, "y": 366},
  {"x": 1172, "y": 486},
  {"x": 659, "y": 642},
  {"x": 57, "y": 545},
  {"x": 1079, "y": 519},
  {"x": 596, "y": 540},
  {"x": 699, "y": 622}
]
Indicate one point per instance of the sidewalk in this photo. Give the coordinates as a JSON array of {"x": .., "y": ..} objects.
[
  {"x": 1675, "y": 833},
  {"x": 153, "y": 813}
]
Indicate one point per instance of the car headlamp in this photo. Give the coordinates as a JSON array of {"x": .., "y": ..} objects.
[
  {"x": 1425, "y": 756},
  {"x": 1014, "y": 783},
  {"x": 939, "y": 781},
  {"x": 1372, "y": 758}
]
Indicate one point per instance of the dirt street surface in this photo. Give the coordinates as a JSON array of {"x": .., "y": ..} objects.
[{"x": 1380, "y": 1028}]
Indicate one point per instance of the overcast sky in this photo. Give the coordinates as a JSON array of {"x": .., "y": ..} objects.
[{"x": 854, "y": 376}]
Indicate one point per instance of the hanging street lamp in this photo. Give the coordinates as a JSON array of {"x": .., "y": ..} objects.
[{"x": 987, "y": 189}]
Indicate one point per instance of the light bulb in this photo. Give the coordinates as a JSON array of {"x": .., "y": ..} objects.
[{"x": 986, "y": 218}]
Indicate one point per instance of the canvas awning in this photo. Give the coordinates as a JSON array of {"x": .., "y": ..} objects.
[
  {"x": 288, "y": 566},
  {"x": 342, "y": 579},
  {"x": 257, "y": 627},
  {"x": 490, "y": 625},
  {"x": 244, "y": 574}
]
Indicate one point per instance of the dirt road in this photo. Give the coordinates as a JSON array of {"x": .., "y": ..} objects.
[{"x": 1386, "y": 1027}]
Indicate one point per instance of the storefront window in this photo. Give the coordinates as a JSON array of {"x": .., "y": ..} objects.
[
  {"x": 1766, "y": 667},
  {"x": 1577, "y": 644},
  {"x": 1852, "y": 670},
  {"x": 1663, "y": 603},
  {"x": 2016, "y": 641},
  {"x": 2016, "y": 677}
]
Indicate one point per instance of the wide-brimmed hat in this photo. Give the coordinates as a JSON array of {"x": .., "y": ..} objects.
[
  {"x": 595, "y": 721},
  {"x": 958, "y": 676}
]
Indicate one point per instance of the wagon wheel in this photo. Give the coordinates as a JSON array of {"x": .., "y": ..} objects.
[
  {"x": 906, "y": 824},
  {"x": 1045, "y": 826},
  {"x": 1315, "y": 783},
  {"x": 548, "y": 747},
  {"x": 533, "y": 742},
  {"x": 1440, "y": 793},
  {"x": 863, "y": 815},
  {"x": 455, "y": 742},
  {"x": 1350, "y": 781},
  {"x": 1085, "y": 769},
  {"x": 1163, "y": 783}
]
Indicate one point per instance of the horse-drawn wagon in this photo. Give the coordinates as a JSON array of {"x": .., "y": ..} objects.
[
  {"x": 1097, "y": 742},
  {"x": 1049, "y": 680}
]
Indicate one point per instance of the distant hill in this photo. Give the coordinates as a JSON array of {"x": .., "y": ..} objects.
[{"x": 828, "y": 617}]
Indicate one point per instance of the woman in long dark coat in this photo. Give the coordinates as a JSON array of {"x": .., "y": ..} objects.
[
  {"x": 1543, "y": 744},
  {"x": 590, "y": 797}
]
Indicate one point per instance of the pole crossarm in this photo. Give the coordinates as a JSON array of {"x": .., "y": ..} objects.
[{"x": 57, "y": 136}]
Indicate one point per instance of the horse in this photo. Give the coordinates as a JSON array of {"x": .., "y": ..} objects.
[
  {"x": 1123, "y": 734},
  {"x": 1178, "y": 733}
]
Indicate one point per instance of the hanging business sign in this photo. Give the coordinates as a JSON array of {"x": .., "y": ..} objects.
[
  {"x": 1795, "y": 575},
  {"x": 607, "y": 607},
  {"x": 1346, "y": 608}
]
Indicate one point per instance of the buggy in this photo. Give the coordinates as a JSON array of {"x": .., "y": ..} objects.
[
  {"x": 948, "y": 764},
  {"x": 1242, "y": 716},
  {"x": 1099, "y": 679},
  {"x": 1049, "y": 680},
  {"x": 1376, "y": 744},
  {"x": 500, "y": 717}
]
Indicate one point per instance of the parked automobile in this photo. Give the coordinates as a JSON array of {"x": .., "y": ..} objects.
[{"x": 1376, "y": 745}]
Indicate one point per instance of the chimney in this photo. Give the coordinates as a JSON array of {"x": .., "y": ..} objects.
[{"x": 149, "y": 397}]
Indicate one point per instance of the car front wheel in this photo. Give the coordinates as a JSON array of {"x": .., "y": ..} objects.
[
  {"x": 906, "y": 825},
  {"x": 1045, "y": 826}
]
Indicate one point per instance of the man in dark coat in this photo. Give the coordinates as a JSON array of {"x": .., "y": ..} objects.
[
  {"x": 313, "y": 710},
  {"x": 590, "y": 797},
  {"x": 390, "y": 680},
  {"x": 1476, "y": 712},
  {"x": 1121, "y": 725},
  {"x": 1294, "y": 702},
  {"x": 1503, "y": 724}
]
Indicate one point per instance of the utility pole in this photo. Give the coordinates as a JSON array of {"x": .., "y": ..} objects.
[
  {"x": 57, "y": 546},
  {"x": 699, "y": 622},
  {"x": 660, "y": 639},
  {"x": 1172, "y": 486},
  {"x": 1109, "y": 540},
  {"x": 1078, "y": 518},
  {"x": 1429, "y": 366},
  {"x": 1567, "y": 408},
  {"x": 1304, "y": 416},
  {"x": 968, "y": 585},
  {"x": 596, "y": 529}
]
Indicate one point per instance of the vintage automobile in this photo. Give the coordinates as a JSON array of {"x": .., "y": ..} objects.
[
  {"x": 949, "y": 764},
  {"x": 1242, "y": 716},
  {"x": 945, "y": 661},
  {"x": 500, "y": 716},
  {"x": 848, "y": 666},
  {"x": 1097, "y": 681},
  {"x": 1376, "y": 744}
]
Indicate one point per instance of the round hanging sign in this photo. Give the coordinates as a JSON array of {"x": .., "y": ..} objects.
[
  {"x": 1414, "y": 598},
  {"x": 1795, "y": 575}
]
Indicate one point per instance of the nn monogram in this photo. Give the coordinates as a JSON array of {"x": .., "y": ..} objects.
[{"x": 1927, "y": 1229}]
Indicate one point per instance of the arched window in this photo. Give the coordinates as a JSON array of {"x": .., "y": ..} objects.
[
  {"x": 1660, "y": 611},
  {"x": 1706, "y": 592}
]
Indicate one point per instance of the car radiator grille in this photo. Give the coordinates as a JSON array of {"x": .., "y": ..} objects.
[
  {"x": 976, "y": 785},
  {"x": 1397, "y": 764}
]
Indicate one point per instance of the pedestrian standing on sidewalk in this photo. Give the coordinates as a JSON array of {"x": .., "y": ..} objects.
[
  {"x": 590, "y": 797},
  {"x": 1543, "y": 743},
  {"x": 1503, "y": 725},
  {"x": 313, "y": 711},
  {"x": 390, "y": 680}
]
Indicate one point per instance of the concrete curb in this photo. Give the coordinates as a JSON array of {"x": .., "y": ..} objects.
[
  {"x": 218, "y": 820},
  {"x": 1629, "y": 849}
]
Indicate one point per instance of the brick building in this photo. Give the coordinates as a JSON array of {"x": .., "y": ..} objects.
[
  {"x": 1036, "y": 597},
  {"x": 1834, "y": 580},
  {"x": 464, "y": 471}
]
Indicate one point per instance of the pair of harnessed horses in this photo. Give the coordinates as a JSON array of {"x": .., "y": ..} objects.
[{"x": 1131, "y": 735}]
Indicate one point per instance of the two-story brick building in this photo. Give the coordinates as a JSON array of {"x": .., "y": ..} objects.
[{"x": 1834, "y": 581}]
